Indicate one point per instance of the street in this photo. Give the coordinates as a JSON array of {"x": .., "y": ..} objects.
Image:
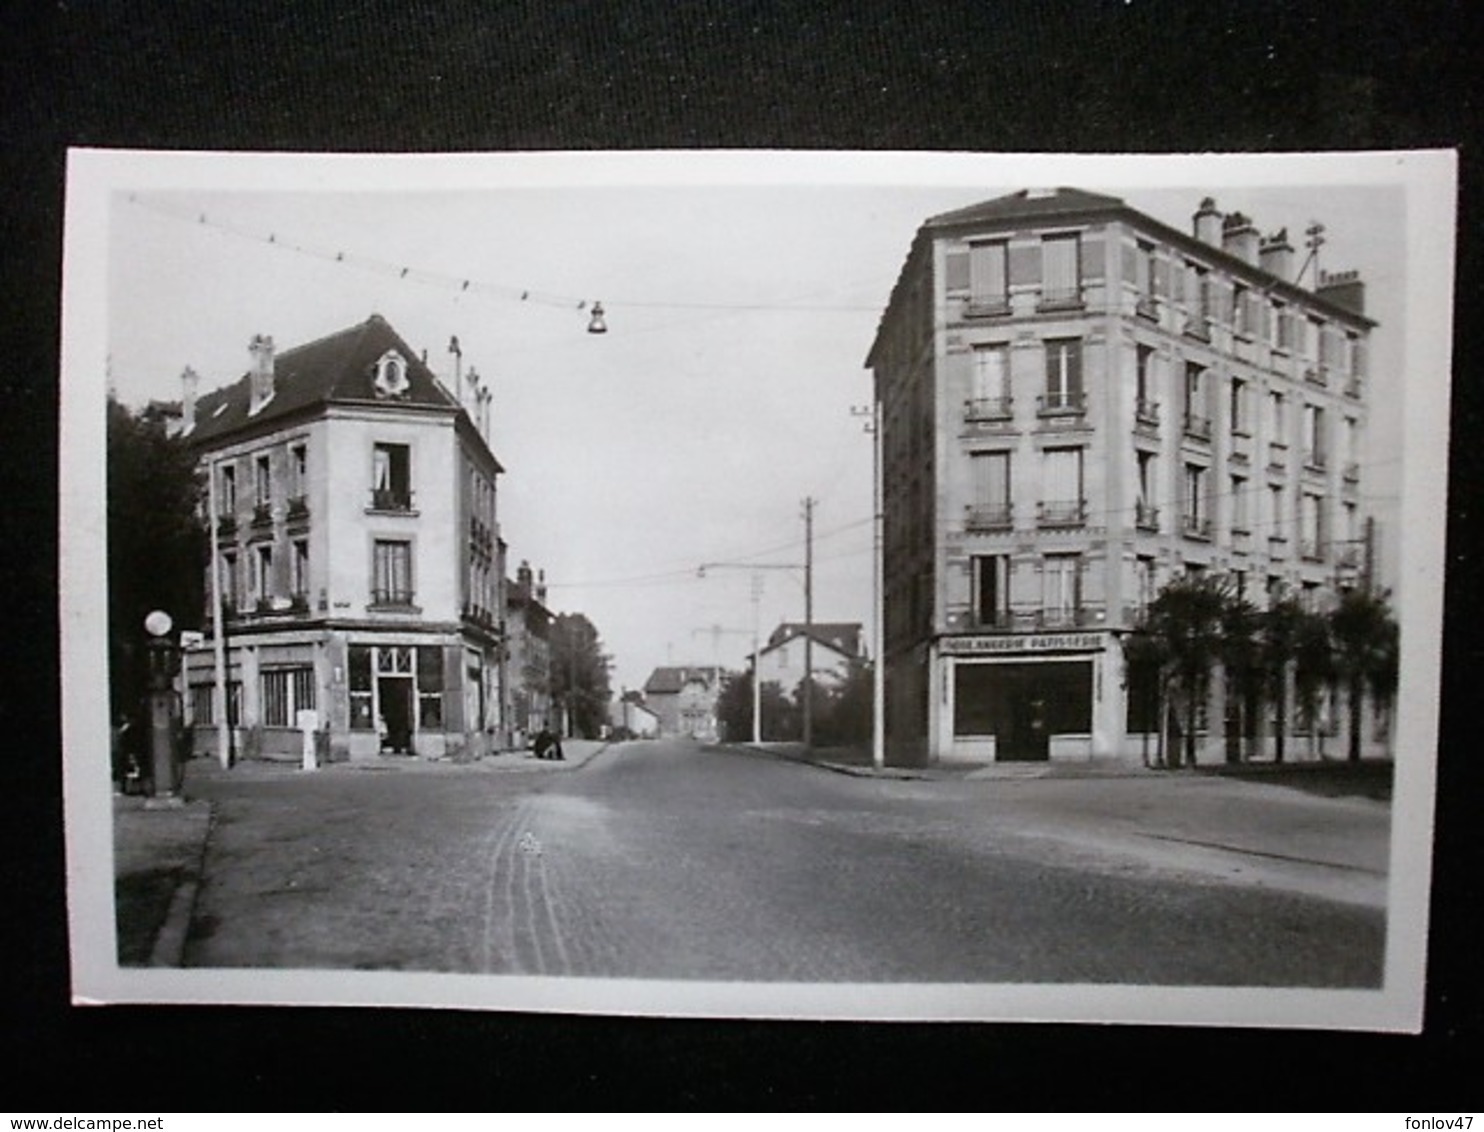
[{"x": 672, "y": 860}]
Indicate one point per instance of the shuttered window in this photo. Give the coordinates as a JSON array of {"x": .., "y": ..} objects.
[
  {"x": 989, "y": 274},
  {"x": 1061, "y": 278}
]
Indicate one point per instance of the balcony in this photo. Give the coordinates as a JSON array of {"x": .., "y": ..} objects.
[
  {"x": 1312, "y": 550},
  {"x": 1145, "y": 306},
  {"x": 226, "y": 525},
  {"x": 1277, "y": 455},
  {"x": 1277, "y": 545},
  {"x": 988, "y": 306},
  {"x": 262, "y": 515},
  {"x": 391, "y": 599},
  {"x": 1314, "y": 460},
  {"x": 391, "y": 499},
  {"x": 1146, "y": 517},
  {"x": 987, "y": 410},
  {"x": 479, "y": 615},
  {"x": 1317, "y": 375},
  {"x": 1352, "y": 472},
  {"x": 1348, "y": 557},
  {"x": 299, "y": 603},
  {"x": 1076, "y": 617},
  {"x": 1352, "y": 388},
  {"x": 991, "y": 620},
  {"x": 1196, "y": 527},
  {"x": 988, "y": 517},
  {"x": 298, "y": 508},
  {"x": 1198, "y": 326},
  {"x": 1241, "y": 445},
  {"x": 1198, "y": 428},
  {"x": 1063, "y": 299},
  {"x": 1146, "y": 416},
  {"x": 1072, "y": 403},
  {"x": 1061, "y": 513}
]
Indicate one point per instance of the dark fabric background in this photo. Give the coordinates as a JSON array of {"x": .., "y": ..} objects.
[{"x": 1062, "y": 75}]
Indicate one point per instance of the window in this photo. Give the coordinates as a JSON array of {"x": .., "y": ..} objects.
[
  {"x": 228, "y": 579},
  {"x": 1348, "y": 449},
  {"x": 1311, "y": 525},
  {"x": 1240, "y": 523},
  {"x": 990, "y": 397},
  {"x": 1061, "y": 486},
  {"x": 1238, "y": 407},
  {"x": 1144, "y": 580},
  {"x": 286, "y": 692},
  {"x": 228, "y": 501},
  {"x": 989, "y": 291},
  {"x": 1314, "y": 446},
  {"x": 1146, "y": 513},
  {"x": 1146, "y": 412},
  {"x": 262, "y": 581},
  {"x": 301, "y": 568},
  {"x": 391, "y": 572},
  {"x": 362, "y": 718},
  {"x": 1241, "y": 314},
  {"x": 1144, "y": 279},
  {"x": 1061, "y": 596},
  {"x": 991, "y": 579},
  {"x": 1061, "y": 276},
  {"x": 1285, "y": 326},
  {"x": 430, "y": 688},
  {"x": 203, "y": 704},
  {"x": 1063, "y": 375},
  {"x": 990, "y": 472},
  {"x": 263, "y": 481},
  {"x": 1197, "y": 423},
  {"x": 1196, "y": 520},
  {"x": 1277, "y": 528},
  {"x": 298, "y": 473},
  {"x": 391, "y": 478}
]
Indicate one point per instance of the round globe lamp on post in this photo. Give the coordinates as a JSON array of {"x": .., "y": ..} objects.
[{"x": 163, "y": 658}]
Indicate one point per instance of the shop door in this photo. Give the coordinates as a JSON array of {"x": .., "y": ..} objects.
[
  {"x": 395, "y": 696},
  {"x": 1028, "y": 739}
]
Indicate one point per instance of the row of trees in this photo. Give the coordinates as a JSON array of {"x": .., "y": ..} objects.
[
  {"x": 1198, "y": 622},
  {"x": 841, "y": 712}
]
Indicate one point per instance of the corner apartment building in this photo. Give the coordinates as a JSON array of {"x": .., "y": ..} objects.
[
  {"x": 1078, "y": 402},
  {"x": 357, "y": 551}
]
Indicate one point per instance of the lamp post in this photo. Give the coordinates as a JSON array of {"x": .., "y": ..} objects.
[
  {"x": 162, "y": 658},
  {"x": 757, "y": 593},
  {"x": 872, "y": 415}
]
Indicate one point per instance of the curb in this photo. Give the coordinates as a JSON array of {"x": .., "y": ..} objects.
[{"x": 170, "y": 940}]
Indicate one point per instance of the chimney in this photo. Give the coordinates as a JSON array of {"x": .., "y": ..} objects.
[
  {"x": 1275, "y": 255},
  {"x": 1207, "y": 223},
  {"x": 541, "y": 586},
  {"x": 1239, "y": 238},
  {"x": 261, "y": 377},
  {"x": 1343, "y": 288},
  {"x": 523, "y": 577},
  {"x": 485, "y": 397},
  {"x": 190, "y": 381}
]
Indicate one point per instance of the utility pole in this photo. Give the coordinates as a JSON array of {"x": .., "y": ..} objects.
[
  {"x": 809, "y": 621},
  {"x": 872, "y": 415},
  {"x": 757, "y": 593}
]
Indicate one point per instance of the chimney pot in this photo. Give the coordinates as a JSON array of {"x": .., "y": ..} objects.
[
  {"x": 190, "y": 382},
  {"x": 261, "y": 379},
  {"x": 1275, "y": 255},
  {"x": 1206, "y": 223}
]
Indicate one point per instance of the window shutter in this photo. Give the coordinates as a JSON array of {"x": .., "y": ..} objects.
[
  {"x": 1074, "y": 366},
  {"x": 1130, "y": 264},
  {"x": 1177, "y": 282},
  {"x": 1093, "y": 265},
  {"x": 1161, "y": 276},
  {"x": 956, "y": 271},
  {"x": 1025, "y": 265}
]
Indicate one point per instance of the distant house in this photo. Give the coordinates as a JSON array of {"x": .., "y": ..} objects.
[
  {"x": 528, "y": 632},
  {"x": 630, "y": 714},
  {"x": 836, "y": 646},
  {"x": 684, "y": 700}
]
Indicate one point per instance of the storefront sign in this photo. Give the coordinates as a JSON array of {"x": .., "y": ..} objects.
[{"x": 1011, "y": 643}]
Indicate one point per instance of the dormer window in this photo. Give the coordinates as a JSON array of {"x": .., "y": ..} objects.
[{"x": 391, "y": 375}]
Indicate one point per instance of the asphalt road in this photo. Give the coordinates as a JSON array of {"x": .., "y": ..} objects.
[{"x": 669, "y": 860}]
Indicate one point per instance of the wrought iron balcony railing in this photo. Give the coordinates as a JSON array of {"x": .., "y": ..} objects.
[
  {"x": 1067, "y": 403},
  {"x": 1198, "y": 326},
  {"x": 1059, "y": 299},
  {"x": 1195, "y": 526},
  {"x": 1197, "y": 428},
  {"x": 262, "y": 515},
  {"x": 399, "y": 598},
  {"x": 1061, "y": 512},
  {"x": 1312, "y": 550},
  {"x": 1146, "y": 517},
  {"x": 987, "y": 306},
  {"x": 979, "y": 409},
  {"x": 987, "y": 517},
  {"x": 298, "y": 507},
  {"x": 390, "y": 499},
  {"x": 1146, "y": 306},
  {"x": 1146, "y": 414}
]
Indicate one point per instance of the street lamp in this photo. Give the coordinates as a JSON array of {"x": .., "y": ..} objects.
[{"x": 872, "y": 415}]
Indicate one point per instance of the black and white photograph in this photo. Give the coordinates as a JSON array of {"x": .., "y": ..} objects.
[{"x": 732, "y": 584}]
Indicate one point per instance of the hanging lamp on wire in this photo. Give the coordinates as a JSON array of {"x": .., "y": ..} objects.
[{"x": 596, "y": 325}]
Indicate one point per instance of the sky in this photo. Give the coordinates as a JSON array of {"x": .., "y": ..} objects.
[{"x": 740, "y": 310}]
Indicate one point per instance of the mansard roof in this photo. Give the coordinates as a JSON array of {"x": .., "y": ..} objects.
[
  {"x": 337, "y": 368},
  {"x": 1025, "y": 204}
]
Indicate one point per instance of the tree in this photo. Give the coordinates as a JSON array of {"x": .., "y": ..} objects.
[
  {"x": 1185, "y": 621},
  {"x": 734, "y": 707},
  {"x": 579, "y": 674},
  {"x": 157, "y": 545},
  {"x": 1239, "y": 656},
  {"x": 1145, "y": 657},
  {"x": 842, "y": 713},
  {"x": 1313, "y": 672},
  {"x": 1278, "y": 633},
  {"x": 1365, "y": 654}
]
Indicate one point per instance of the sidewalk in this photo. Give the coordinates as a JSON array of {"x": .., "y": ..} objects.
[
  {"x": 856, "y": 761},
  {"x": 159, "y": 845}
]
